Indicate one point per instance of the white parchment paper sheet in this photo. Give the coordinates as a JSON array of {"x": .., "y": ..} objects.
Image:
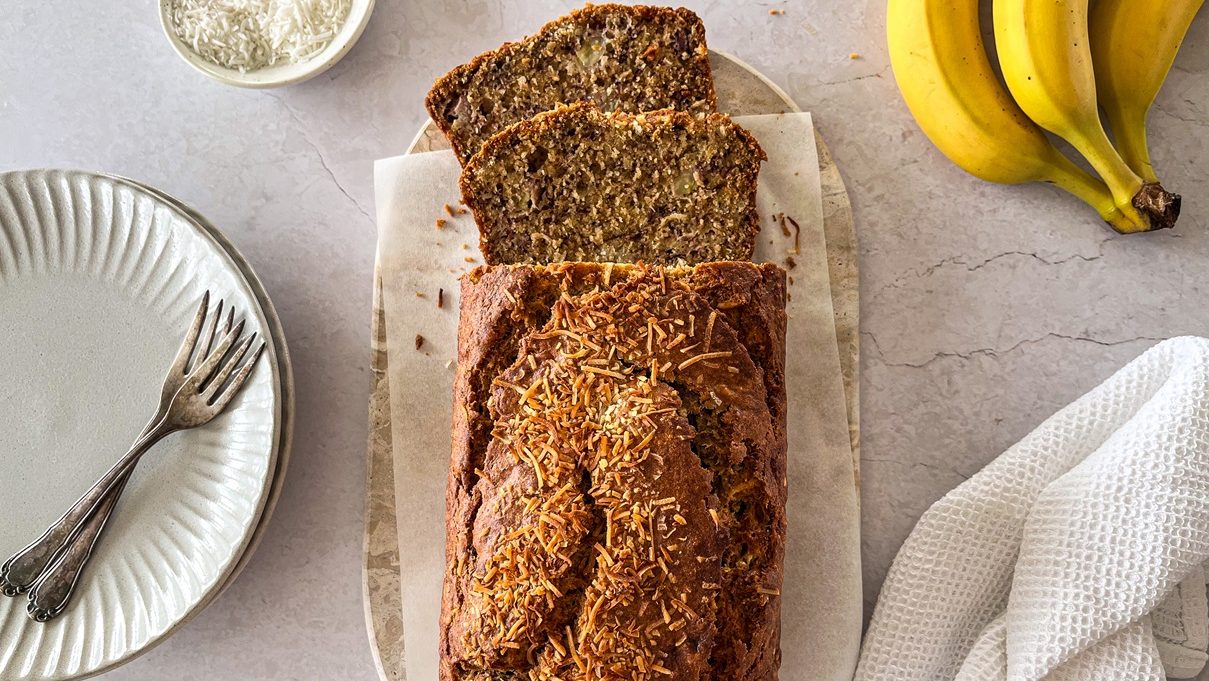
[{"x": 821, "y": 599}]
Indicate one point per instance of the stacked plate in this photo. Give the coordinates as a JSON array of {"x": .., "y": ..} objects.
[{"x": 99, "y": 279}]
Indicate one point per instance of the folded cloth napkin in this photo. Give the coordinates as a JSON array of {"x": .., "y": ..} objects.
[{"x": 1075, "y": 555}]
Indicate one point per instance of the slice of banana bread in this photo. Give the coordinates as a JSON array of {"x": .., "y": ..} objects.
[
  {"x": 663, "y": 187},
  {"x": 623, "y": 58}
]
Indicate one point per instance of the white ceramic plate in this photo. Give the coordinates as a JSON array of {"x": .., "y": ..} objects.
[
  {"x": 98, "y": 282},
  {"x": 284, "y": 74}
]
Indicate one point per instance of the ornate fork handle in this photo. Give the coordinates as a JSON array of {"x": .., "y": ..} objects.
[
  {"x": 20, "y": 572},
  {"x": 52, "y": 591}
]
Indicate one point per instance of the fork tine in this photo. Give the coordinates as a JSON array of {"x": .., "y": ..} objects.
[
  {"x": 212, "y": 386},
  {"x": 208, "y": 336},
  {"x": 181, "y": 363},
  {"x": 236, "y": 383},
  {"x": 202, "y": 372},
  {"x": 230, "y": 319}
]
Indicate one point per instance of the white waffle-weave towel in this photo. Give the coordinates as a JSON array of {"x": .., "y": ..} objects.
[{"x": 1074, "y": 556}]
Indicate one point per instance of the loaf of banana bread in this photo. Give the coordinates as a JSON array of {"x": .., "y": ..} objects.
[
  {"x": 578, "y": 184},
  {"x": 616, "y": 494},
  {"x": 624, "y": 58}
]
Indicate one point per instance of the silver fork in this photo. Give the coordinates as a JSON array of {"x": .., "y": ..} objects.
[
  {"x": 51, "y": 565},
  {"x": 19, "y": 573},
  {"x": 52, "y": 591}
]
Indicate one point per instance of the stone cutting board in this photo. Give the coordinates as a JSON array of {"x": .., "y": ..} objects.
[{"x": 741, "y": 91}]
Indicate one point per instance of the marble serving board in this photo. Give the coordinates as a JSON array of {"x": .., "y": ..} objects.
[{"x": 741, "y": 91}]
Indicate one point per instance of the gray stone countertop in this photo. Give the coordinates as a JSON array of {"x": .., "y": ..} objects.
[{"x": 984, "y": 308}]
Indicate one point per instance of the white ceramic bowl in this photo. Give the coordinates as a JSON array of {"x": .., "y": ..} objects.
[{"x": 275, "y": 76}]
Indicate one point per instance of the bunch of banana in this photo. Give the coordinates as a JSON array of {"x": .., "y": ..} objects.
[{"x": 1046, "y": 55}]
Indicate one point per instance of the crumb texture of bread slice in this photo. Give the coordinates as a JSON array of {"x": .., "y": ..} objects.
[
  {"x": 616, "y": 499},
  {"x": 624, "y": 58},
  {"x": 578, "y": 184}
]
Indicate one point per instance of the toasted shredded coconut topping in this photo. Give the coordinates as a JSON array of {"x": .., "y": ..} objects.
[{"x": 579, "y": 416}]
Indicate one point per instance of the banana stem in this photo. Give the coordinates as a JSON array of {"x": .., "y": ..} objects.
[
  {"x": 1129, "y": 135},
  {"x": 1121, "y": 180},
  {"x": 1153, "y": 206},
  {"x": 1070, "y": 177}
]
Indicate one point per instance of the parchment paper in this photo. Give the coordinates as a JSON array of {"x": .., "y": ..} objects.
[{"x": 821, "y": 599}]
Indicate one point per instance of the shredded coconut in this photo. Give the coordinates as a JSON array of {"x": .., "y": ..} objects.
[{"x": 251, "y": 34}]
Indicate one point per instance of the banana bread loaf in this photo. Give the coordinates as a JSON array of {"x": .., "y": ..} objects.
[
  {"x": 623, "y": 58},
  {"x": 616, "y": 495},
  {"x": 577, "y": 184}
]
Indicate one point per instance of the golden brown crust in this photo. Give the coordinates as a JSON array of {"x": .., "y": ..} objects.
[
  {"x": 549, "y": 575},
  {"x": 661, "y": 61},
  {"x": 578, "y": 184}
]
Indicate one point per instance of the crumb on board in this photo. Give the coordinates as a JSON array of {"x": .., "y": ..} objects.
[
  {"x": 420, "y": 294},
  {"x": 791, "y": 280},
  {"x": 440, "y": 223},
  {"x": 448, "y": 364},
  {"x": 797, "y": 235},
  {"x": 465, "y": 247},
  {"x": 784, "y": 227},
  {"x": 776, "y": 12},
  {"x": 440, "y": 297},
  {"x": 469, "y": 258},
  {"x": 449, "y": 209},
  {"x": 454, "y": 211},
  {"x": 419, "y": 341},
  {"x": 854, "y": 55},
  {"x": 790, "y": 263}
]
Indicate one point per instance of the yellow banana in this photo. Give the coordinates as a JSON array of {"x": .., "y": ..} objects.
[
  {"x": 945, "y": 76},
  {"x": 1045, "y": 58},
  {"x": 1133, "y": 44}
]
